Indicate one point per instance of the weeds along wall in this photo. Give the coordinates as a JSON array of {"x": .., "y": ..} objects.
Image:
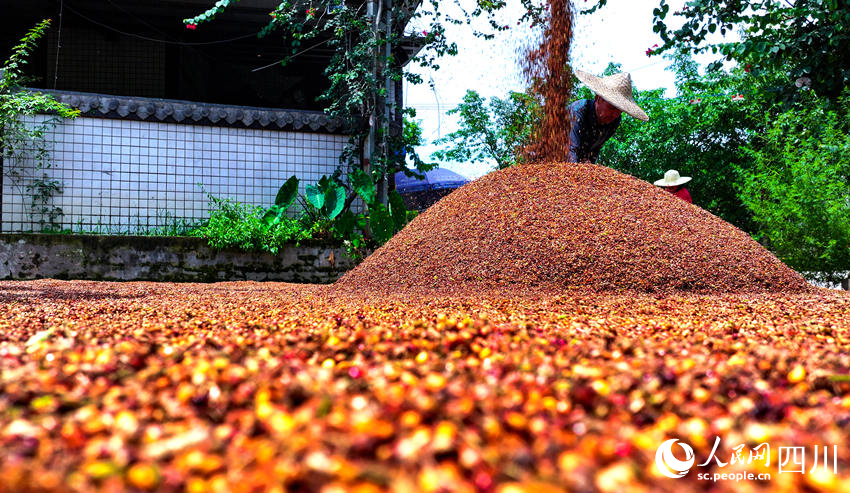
[{"x": 150, "y": 172}]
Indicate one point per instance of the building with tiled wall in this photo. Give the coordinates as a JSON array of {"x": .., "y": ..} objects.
[
  {"x": 131, "y": 165},
  {"x": 167, "y": 113}
]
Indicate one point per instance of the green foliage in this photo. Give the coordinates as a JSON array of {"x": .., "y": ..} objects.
[
  {"x": 699, "y": 133},
  {"x": 324, "y": 215},
  {"x": 404, "y": 147},
  {"x": 334, "y": 201},
  {"x": 287, "y": 194},
  {"x": 398, "y": 210},
  {"x": 22, "y": 142},
  {"x": 325, "y": 199},
  {"x": 314, "y": 196},
  {"x": 236, "y": 225},
  {"x": 14, "y": 101},
  {"x": 362, "y": 185},
  {"x": 170, "y": 225},
  {"x": 497, "y": 131},
  {"x": 381, "y": 223},
  {"x": 347, "y": 224},
  {"x": 383, "y": 220},
  {"x": 285, "y": 197},
  {"x": 807, "y": 40},
  {"x": 799, "y": 188},
  {"x": 348, "y": 227}
]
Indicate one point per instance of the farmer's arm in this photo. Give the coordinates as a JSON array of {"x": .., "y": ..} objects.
[{"x": 575, "y": 134}]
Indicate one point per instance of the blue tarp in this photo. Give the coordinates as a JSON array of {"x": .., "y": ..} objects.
[{"x": 436, "y": 179}]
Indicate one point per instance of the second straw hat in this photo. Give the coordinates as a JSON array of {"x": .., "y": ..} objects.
[
  {"x": 616, "y": 89},
  {"x": 672, "y": 179}
]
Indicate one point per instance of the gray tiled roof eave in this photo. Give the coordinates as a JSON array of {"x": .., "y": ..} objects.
[{"x": 195, "y": 113}]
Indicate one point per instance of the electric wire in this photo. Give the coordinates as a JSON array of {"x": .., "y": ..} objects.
[
  {"x": 58, "y": 44},
  {"x": 305, "y": 50},
  {"x": 154, "y": 40},
  {"x": 139, "y": 19}
]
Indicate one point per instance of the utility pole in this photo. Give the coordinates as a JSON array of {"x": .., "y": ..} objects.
[
  {"x": 372, "y": 15},
  {"x": 375, "y": 11},
  {"x": 389, "y": 99},
  {"x": 2, "y": 151}
]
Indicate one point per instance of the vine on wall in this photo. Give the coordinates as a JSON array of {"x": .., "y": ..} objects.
[{"x": 26, "y": 155}]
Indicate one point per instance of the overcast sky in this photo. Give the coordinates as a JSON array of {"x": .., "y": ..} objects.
[{"x": 621, "y": 32}]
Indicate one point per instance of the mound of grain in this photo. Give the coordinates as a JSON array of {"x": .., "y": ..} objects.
[{"x": 559, "y": 226}]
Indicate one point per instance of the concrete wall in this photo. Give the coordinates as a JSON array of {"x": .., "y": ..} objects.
[{"x": 137, "y": 258}]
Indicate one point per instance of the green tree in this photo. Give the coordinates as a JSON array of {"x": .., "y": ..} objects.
[
  {"x": 406, "y": 158},
  {"x": 699, "y": 132},
  {"x": 496, "y": 131},
  {"x": 807, "y": 40},
  {"x": 799, "y": 188}
]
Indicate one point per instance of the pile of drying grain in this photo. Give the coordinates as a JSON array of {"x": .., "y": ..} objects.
[{"x": 559, "y": 226}]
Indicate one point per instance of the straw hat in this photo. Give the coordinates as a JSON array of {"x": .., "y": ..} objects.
[
  {"x": 616, "y": 89},
  {"x": 672, "y": 179}
]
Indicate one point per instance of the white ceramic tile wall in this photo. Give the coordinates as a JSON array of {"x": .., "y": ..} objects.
[{"x": 129, "y": 176}]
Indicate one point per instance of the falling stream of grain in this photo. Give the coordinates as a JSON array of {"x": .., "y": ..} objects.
[{"x": 546, "y": 67}]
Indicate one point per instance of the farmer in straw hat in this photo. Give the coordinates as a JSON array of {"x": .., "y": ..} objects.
[
  {"x": 594, "y": 121},
  {"x": 674, "y": 184}
]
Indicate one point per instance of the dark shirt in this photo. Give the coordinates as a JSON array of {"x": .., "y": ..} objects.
[{"x": 587, "y": 135}]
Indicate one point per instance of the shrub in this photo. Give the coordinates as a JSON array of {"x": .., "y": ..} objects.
[
  {"x": 799, "y": 188},
  {"x": 233, "y": 224}
]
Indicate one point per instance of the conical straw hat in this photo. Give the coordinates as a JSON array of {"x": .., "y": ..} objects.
[
  {"x": 616, "y": 89},
  {"x": 672, "y": 179}
]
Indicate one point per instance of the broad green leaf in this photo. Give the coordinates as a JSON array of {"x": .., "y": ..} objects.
[
  {"x": 362, "y": 185},
  {"x": 314, "y": 196},
  {"x": 287, "y": 193},
  {"x": 334, "y": 201}
]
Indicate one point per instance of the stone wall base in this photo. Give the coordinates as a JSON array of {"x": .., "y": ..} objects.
[{"x": 157, "y": 258}]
